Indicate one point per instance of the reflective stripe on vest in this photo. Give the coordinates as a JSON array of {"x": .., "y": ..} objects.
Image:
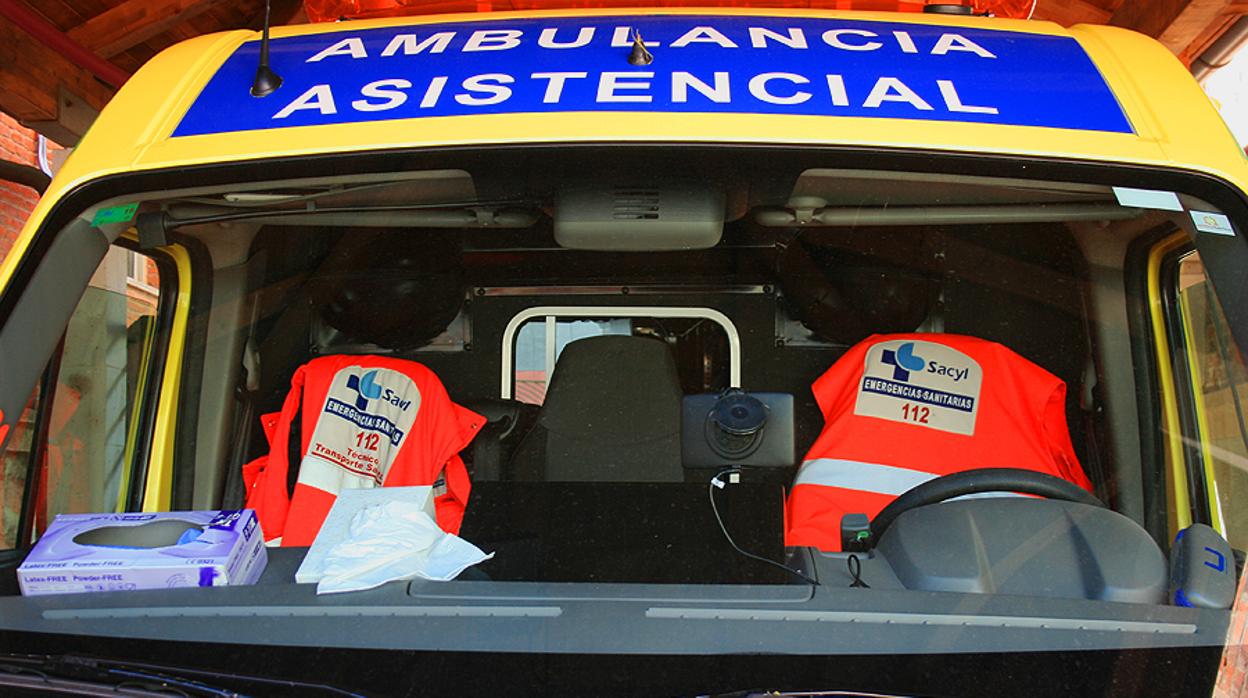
[
  {"x": 903, "y": 409},
  {"x": 871, "y": 477}
]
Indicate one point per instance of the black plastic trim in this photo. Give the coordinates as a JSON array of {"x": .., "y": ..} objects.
[
  {"x": 191, "y": 373},
  {"x": 166, "y": 308},
  {"x": 1193, "y": 457},
  {"x": 1147, "y": 388}
]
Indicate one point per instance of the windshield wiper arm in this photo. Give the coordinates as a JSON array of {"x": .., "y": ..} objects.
[
  {"x": 165, "y": 222},
  {"x": 143, "y": 678},
  {"x": 69, "y": 671}
]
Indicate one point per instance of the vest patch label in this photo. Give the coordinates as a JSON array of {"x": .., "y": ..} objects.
[
  {"x": 367, "y": 414},
  {"x": 920, "y": 383}
]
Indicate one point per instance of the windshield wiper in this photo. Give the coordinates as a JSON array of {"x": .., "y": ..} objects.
[
  {"x": 504, "y": 213},
  {"x": 73, "y": 673}
]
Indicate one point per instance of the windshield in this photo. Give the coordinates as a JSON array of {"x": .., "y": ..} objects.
[{"x": 693, "y": 401}]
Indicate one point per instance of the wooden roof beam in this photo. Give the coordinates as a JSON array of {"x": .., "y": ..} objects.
[
  {"x": 44, "y": 90},
  {"x": 1186, "y": 27},
  {"x": 133, "y": 22},
  {"x": 1150, "y": 18},
  {"x": 1071, "y": 12},
  {"x": 1198, "y": 26}
]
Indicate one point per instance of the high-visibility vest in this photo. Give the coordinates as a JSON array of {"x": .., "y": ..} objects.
[
  {"x": 903, "y": 409},
  {"x": 365, "y": 421}
]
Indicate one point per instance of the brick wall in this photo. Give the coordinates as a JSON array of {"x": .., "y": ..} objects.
[
  {"x": 141, "y": 300},
  {"x": 17, "y": 144},
  {"x": 1233, "y": 674},
  {"x": 21, "y": 145}
]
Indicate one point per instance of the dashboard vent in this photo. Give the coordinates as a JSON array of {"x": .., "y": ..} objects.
[{"x": 635, "y": 205}]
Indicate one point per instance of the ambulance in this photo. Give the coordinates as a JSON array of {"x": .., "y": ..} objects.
[{"x": 769, "y": 349}]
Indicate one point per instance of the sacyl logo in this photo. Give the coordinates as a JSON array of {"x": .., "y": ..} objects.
[
  {"x": 366, "y": 389},
  {"x": 903, "y": 361}
]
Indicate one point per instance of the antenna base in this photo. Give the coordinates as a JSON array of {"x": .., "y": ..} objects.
[{"x": 266, "y": 82}]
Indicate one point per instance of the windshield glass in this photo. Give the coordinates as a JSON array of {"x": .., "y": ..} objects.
[{"x": 705, "y": 383}]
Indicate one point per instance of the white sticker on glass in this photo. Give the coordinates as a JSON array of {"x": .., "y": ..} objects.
[
  {"x": 1148, "y": 198},
  {"x": 1209, "y": 222}
]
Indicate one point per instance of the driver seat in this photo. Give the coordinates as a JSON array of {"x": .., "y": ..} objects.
[{"x": 902, "y": 409}]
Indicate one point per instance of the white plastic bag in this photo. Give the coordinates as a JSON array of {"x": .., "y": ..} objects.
[{"x": 393, "y": 541}]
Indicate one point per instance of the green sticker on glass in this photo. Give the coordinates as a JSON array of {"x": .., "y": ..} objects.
[{"x": 115, "y": 214}]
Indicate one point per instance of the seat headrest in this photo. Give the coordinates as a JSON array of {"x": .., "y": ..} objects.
[
  {"x": 846, "y": 296},
  {"x": 396, "y": 289},
  {"x": 620, "y": 386}
]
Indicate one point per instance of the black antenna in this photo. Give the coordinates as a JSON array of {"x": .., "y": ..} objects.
[
  {"x": 640, "y": 55},
  {"x": 266, "y": 80}
]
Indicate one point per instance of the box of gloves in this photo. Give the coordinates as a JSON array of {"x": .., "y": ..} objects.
[
  {"x": 376, "y": 535},
  {"x": 125, "y": 552}
]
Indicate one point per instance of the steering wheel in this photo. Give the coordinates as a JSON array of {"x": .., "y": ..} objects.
[{"x": 976, "y": 481}]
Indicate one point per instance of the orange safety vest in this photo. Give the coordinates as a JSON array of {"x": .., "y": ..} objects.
[
  {"x": 903, "y": 409},
  {"x": 367, "y": 421}
]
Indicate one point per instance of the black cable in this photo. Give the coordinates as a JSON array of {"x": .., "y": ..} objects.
[
  {"x": 855, "y": 571},
  {"x": 710, "y": 493}
]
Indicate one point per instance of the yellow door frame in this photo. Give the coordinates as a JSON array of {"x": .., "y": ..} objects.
[
  {"x": 158, "y": 485},
  {"x": 1172, "y": 430}
]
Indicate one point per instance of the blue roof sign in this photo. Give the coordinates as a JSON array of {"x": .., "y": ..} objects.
[{"x": 709, "y": 64}]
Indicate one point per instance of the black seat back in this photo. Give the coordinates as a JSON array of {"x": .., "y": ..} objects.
[{"x": 611, "y": 414}]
